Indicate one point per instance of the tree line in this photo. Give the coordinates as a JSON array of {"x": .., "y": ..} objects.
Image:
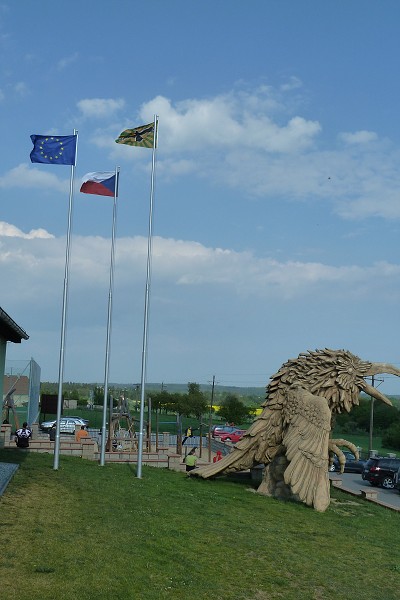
[
  {"x": 386, "y": 421},
  {"x": 195, "y": 403}
]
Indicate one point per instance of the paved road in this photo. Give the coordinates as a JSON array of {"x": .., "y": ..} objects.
[{"x": 355, "y": 483}]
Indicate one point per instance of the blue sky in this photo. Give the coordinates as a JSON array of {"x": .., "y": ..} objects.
[{"x": 277, "y": 202}]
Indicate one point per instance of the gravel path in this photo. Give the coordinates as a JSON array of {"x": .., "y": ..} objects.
[{"x": 7, "y": 470}]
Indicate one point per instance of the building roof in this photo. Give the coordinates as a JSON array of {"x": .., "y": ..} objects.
[{"x": 9, "y": 330}]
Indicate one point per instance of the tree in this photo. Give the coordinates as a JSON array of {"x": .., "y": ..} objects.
[
  {"x": 197, "y": 403},
  {"x": 233, "y": 410},
  {"x": 359, "y": 418},
  {"x": 391, "y": 437}
]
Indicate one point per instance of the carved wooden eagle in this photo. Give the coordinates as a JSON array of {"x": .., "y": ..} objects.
[{"x": 292, "y": 434}]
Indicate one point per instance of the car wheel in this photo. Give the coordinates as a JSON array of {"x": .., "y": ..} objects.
[
  {"x": 388, "y": 483},
  {"x": 332, "y": 468},
  {"x": 227, "y": 439}
]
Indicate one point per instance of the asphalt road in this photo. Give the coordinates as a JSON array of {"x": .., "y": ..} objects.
[{"x": 355, "y": 483}]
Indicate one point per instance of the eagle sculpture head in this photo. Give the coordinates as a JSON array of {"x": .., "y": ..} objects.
[{"x": 337, "y": 375}]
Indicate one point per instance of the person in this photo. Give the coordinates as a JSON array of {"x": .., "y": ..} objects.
[
  {"x": 22, "y": 436},
  {"x": 188, "y": 434},
  {"x": 218, "y": 457},
  {"x": 191, "y": 460},
  {"x": 81, "y": 433},
  {"x": 52, "y": 432}
]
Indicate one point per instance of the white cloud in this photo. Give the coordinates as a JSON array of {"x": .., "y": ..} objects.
[
  {"x": 11, "y": 231},
  {"x": 100, "y": 107},
  {"x": 358, "y": 137},
  {"x": 23, "y": 176},
  {"x": 67, "y": 61},
  {"x": 226, "y": 122},
  {"x": 292, "y": 84},
  {"x": 21, "y": 88}
]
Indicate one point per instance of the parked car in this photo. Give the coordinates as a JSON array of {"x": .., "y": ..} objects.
[
  {"x": 233, "y": 436},
  {"x": 217, "y": 430},
  {"x": 397, "y": 480},
  {"x": 67, "y": 424},
  {"x": 381, "y": 470},
  {"x": 351, "y": 466}
]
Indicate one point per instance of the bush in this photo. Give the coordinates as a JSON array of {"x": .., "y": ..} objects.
[{"x": 391, "y": 437}]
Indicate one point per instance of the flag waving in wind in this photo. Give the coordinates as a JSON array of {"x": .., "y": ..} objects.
[
  {"x": 101, "y": 183},
  {"x": 139, "y": 136},
  {"x": 54, "y": 150}
]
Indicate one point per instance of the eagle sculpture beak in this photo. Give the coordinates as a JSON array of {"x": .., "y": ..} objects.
[{"x": 378, "y": 369}]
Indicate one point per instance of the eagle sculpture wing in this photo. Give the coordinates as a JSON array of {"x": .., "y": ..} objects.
[
  {"x": 259, "y": 445},
  {"x": 306, "y": 439}
]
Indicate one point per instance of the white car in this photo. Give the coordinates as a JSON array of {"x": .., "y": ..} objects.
[{"x": 67, "y": 424}]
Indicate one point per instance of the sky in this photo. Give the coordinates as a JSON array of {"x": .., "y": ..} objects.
[{"x": 276, "y": 212}]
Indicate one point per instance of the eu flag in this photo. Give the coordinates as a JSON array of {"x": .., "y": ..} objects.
[{"x": 54, "y": 150}]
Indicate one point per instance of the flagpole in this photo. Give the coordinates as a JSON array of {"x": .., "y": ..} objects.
[
  {"x": 64, "y": 312},
  {"x": 146, "y": 304},
  {"x": 109, "y": 316}
]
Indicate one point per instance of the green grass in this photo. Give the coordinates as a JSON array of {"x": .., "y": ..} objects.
[{"x": 92, "y": 532}]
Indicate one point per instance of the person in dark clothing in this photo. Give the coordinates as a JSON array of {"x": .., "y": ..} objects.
[
  {"x": 52, "y": 432},
  {"x": 22, "y": 436},
  {"x": 188, "y": 434}
]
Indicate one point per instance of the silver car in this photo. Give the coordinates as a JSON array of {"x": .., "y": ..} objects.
[{"x": 67, "y": 424}]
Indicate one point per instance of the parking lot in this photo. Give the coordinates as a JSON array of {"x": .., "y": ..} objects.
[{"x": 354, "y": 483}]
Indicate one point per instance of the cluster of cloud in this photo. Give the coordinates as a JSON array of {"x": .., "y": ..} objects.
[
  {"x": 226, "y": 292},
  {"x": 177, "y": 264},
  {"x": 248, "y": 141},
  {"x": 256, "y": 141}
]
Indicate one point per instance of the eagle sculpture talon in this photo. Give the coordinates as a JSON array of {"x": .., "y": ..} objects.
[
  {"x": 291, "y": 437},
  {"x": 334, "y": 449}
]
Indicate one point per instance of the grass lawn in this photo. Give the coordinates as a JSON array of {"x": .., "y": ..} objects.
[{"x": 92, "y": 532}]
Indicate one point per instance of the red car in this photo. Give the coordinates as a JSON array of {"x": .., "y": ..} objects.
[
  {"x": 233, "y": 436},
  {"x": 219, "y": 430}
]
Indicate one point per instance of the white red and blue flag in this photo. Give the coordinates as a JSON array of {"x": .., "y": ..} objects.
[{"x": 101, "y": 183}]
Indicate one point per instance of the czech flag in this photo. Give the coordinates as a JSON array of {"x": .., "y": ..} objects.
[{"x": 101, "y": 183}]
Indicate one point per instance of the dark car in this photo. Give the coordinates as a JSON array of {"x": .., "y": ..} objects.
[
  {"x": 381, "y": 470},
  {"x": 352, "y": 465}
]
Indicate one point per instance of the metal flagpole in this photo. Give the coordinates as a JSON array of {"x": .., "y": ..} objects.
[
  {"x": 64, "y": 312},
  {"x": 146, "y": 304},
  {"x": 107, "y": 360}
]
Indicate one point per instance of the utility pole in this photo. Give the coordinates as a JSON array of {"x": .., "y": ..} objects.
[
  {"x": 210, "y": 419},
  {"x": 371, "y": 420},
  {"x": 371, "y": 417}
]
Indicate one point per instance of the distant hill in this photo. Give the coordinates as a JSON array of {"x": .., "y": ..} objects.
[{"x": 180, "y": 388}]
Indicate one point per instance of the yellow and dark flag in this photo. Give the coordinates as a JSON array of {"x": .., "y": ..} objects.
[{"x": 139, "y": 136}]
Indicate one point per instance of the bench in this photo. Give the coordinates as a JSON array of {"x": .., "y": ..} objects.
[
  {"x": 369, "y": 494},
  {"x": 336, "y": 481}
]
